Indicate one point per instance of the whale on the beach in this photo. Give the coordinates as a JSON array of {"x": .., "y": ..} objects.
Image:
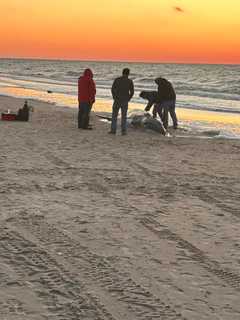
[
  {"x": 142, "y": 121},
  {"x": 146, "y": 121}
]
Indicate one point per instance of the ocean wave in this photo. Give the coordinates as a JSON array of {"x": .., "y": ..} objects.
[
  {"x": 193, "y": 106},
  {"x": 73, "y": 73},
  {"x": 39, "y": 74},
  {"x": 210, "y": 94},
  {"x": 150, "y": 80}
]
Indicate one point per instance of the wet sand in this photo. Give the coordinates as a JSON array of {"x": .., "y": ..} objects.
[{"x": 100, "y": 227}]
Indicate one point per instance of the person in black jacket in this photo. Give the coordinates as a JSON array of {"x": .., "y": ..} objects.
[
  {"x": 167, "y": 101},
  {"x": 152, "y": 98},
  {"x": 122, "y": 92},
  {"x": 23, "y": 113}
]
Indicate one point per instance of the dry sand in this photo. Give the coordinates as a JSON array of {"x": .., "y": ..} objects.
[{"x": 100, "y": 227}]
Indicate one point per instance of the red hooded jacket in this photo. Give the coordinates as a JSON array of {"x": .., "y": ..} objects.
[{"x": 86, "y": 87}]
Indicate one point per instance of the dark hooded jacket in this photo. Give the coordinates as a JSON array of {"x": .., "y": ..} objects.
[
  {"x": 86, "y": 87},
  {"x": 151, "y": 97},
  {"x": 165, "y": 90}
]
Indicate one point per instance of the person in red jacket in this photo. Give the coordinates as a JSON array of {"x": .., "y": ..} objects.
[{"x": 86, "y": 98}]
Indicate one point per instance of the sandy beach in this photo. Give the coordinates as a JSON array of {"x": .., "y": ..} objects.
[{"x": 98, "y": 227}]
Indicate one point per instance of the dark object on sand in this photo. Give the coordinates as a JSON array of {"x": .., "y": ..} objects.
[
  {"x": 23, "y": 113},
  {"x": 211, "y": 133},
  {"x": 49, "y": 91},
  {"x": 108, "y": 118}
]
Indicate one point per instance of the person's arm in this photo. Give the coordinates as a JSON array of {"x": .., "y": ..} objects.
[
  {"x": 149, "y": 105},
  {"x": 131, "y": 90},
  {"x": 173, "y": 92},
  {"x": 79, "y": 89},
  {"x": 114, "y": 89},
  {"x": 92, "y": 91}
]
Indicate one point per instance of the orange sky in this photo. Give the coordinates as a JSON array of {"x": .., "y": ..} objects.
[{"x": 133, "y": 30}]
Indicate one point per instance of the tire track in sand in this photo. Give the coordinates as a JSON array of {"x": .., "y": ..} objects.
[
  {"x": 61, "y": 292},
  {"x": 125, "y": 294},
  {"x": 197, "y": 255}
]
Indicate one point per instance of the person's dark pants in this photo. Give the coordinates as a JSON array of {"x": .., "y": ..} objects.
[
  {"x": 83, "y": 114},
  {"x": 158, "y": 109},
  {"x": 168, "y": 107},
  {"x": 155, "y": 111},
  {"x": 117, "y": 105}
]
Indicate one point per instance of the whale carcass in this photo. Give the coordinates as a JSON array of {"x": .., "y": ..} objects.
[{"x": 141, "y": 120}]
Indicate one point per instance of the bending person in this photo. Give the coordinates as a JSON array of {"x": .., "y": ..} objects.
[{"x": 152, "y": 98}]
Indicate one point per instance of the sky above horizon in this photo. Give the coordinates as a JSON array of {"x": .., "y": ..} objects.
[{"x": 187, "y": 31}]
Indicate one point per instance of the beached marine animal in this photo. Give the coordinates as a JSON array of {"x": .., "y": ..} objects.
[
  {"x": 146, "y": 121},
  {"x": 141, "y": 120}
]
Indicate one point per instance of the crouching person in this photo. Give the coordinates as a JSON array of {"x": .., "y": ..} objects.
[{"x": 23, "y": 113}]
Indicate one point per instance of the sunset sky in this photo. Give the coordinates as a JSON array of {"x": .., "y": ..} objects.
[{"x": 206, "y": 31}]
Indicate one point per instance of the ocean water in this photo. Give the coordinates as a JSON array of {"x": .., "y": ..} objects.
[{"x": 214, "y": 88}]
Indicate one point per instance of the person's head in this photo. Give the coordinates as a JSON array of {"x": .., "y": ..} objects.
[
  {"x": 143, "y": 94},
  {"x": 160, "y": 80},
  {"x": 126, "y": 72},
  {"x": 25, "y": 106},
  {"x": 88, "y": 73}
]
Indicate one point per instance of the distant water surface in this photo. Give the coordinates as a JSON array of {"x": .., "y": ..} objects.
[{"x": 211, "y": 87}]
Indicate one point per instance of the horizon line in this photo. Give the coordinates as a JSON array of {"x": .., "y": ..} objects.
[{"x": 116, "y": 61}]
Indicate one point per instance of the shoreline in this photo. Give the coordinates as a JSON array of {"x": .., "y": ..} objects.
[
  {"x": 59, "y": 97},
  {"x": 196, "y": 122}
]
